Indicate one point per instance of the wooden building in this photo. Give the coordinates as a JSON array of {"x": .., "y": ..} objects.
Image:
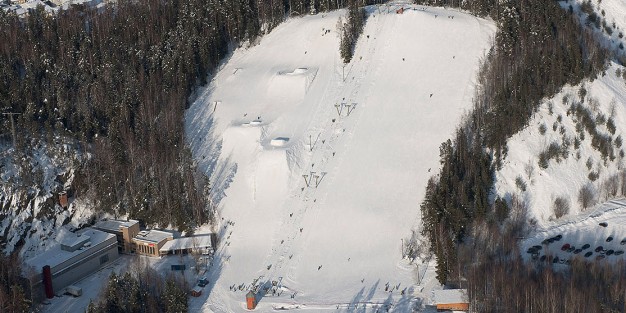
[
  {"x": 125, "y": 231},
  {"x": 250, "y": 300},
  {"x": 451, "y": 300},
  {"x": 149, "y": 242}
]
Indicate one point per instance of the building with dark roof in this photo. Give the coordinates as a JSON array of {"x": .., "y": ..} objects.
[
  {"x": 123, "y": 230},
  {"x": 72, "y": 257}
]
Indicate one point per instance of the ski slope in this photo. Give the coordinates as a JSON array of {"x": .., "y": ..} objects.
[{"x": 367, "y": 138}]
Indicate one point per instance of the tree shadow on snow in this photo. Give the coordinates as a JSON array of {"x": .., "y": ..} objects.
[
  {"x": 213, "y": 273},
  {"x": 360, "y": 301},
  {"x": 206, "y": 145},
  {"x": 406, "y": 303}
]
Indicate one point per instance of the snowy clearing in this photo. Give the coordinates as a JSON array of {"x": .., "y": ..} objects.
[{"x": 564, "y": 178}]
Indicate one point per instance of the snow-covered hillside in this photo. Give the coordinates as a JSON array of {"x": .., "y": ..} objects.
[
  {"x": 30, "y": 213},
  {"x": 610, "y": 16},
  {"x": 318, "y": 169},
  {"x": 564, "y": 177},
  {"x": 575, "y": 167}
]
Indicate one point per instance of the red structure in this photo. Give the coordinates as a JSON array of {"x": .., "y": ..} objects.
[
  {"x": 251, "y": 300},
  {"x": 400, "y": 11},
  {"x": 196, "y": 291},
  {"x": 47, "y": 282},
  {"x": 63, "y": 199}
]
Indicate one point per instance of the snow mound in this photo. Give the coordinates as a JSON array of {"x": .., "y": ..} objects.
[
  {"x": 279, "y": 141},
  {"x": 291, "y": 85},
  {"x": 271, "y": 177},
  {"x": 253, "y": 123}
]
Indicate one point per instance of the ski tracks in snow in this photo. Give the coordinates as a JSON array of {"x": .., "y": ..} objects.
[{"x": 336, "y": 130}]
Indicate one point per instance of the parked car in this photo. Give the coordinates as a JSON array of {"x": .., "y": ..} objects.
[
  {"x": 619, "y": 252},
  {"x": 203, "y": 282},
  {"x": 585, "y": 246},
  {"x": 537, "y": 247},
  {"x": 543, "y": 258},
  {"x": 599, "y": 248},
  {"x": 558, "y": 237},
  {"x": 74, "y": 290},
  {"x": 604, "y": 224},
  {"x": 571, "y": 249},
  {"x": 546, "y": 242},
  {"x": 609, "y": 238},
  {"x": 555, "y": 260},
  {"x": 531, "y": 250},
  {"x": 609, "y": 252},
  {"x": 577, "y": 251},
  {"x": 588, "y": 254},
  {"x": 565, "y": 247},
  {"x": 623, "y": 242}
]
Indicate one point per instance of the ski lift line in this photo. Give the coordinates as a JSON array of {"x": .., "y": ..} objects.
[{"x": 278, "y": 257}]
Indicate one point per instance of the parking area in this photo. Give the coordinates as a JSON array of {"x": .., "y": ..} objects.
[
  {"x": 599, "y": 237},
  {"x": 570, "y": 250}
]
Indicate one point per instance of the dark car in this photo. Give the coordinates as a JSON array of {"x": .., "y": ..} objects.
[
  {"x": 555, "y": 260},
  {"x": 609, "y": 238},
  {"x": 585, "y": 246},
  {"x": 543, "y": 257},
  {"x": 600, "y": 257},
  {"x": 558, "y": 237},
  {"x": 604, "y": 224},
  {"x": 203, "y": 282},
  {"x": 619, "y": 252},
  {"x": 577, "y": 251},
  {"x": 546, "y": 242},
  {"x": 599, "y": 248},
  {"x": 588, "y": 254},
  {"x": 623, "y": 242},
  {"x": 571, "y": 249},
  {"x": 610, "y": 252},
  {"x": 537, "y": 247},
  {"x": 531, "y": 250},
  {"x": 565, "y": 247}
]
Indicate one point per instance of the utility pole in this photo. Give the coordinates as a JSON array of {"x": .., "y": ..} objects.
[{"x": 12, "y": 125}]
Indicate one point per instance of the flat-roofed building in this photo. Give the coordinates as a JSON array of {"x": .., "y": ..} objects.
[
  {"x": 149, "y": 242},
  {"x": 451, "y": 300},
  {"x": 125, "y": 231},
  {"x": 202, "y": 244},
  {"x": 70, "y": 258}
]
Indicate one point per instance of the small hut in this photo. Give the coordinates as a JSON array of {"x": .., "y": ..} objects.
[
  {"x": 63, "y": 199},
  {"x": 400, "y": 11},
  {"x": 251, "y": 300},
  {"x": 196, "y": 291},
  {"x": 451, "y": 299}
]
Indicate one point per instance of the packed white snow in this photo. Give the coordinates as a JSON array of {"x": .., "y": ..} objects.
[{"x": 317, "y": 221}]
